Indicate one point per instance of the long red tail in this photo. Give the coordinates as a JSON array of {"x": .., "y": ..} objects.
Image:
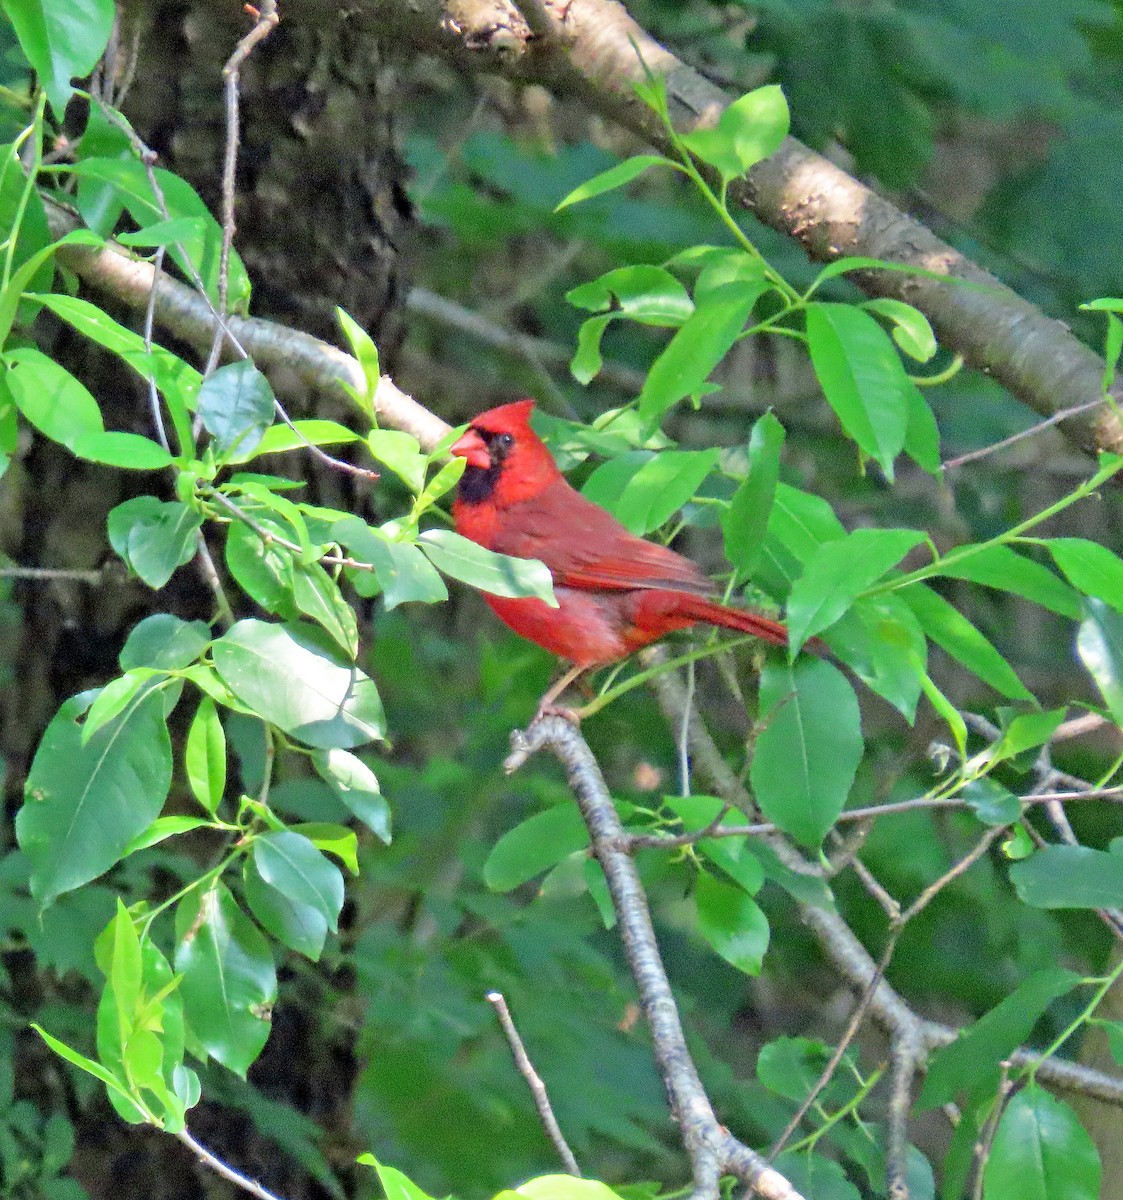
[{"x": 658, "y": 611}]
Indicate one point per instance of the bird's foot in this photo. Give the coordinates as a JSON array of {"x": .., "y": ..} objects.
[{"x": 572, "y": 715}]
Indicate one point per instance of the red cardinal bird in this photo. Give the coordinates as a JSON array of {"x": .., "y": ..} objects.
[{"x": 615, "y": 591}]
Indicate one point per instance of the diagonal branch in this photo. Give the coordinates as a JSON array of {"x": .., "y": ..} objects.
[
  {"x": 597, "y": 56},
  {"x": 712, "y": 1149}
]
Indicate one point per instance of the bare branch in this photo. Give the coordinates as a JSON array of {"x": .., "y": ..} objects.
[
  {"x": 220, "y": 1168},
  {"x": 712, "y": 1149},
  {"x": 534, "y": 1081}
]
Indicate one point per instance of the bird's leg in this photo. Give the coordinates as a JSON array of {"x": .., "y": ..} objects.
[{"x": 547, "y": 707}]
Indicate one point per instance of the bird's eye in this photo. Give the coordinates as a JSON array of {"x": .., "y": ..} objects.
[{"x": 506, "y": 441}]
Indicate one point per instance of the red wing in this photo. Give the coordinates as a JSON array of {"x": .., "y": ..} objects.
[{"x": 585, "y": 547}]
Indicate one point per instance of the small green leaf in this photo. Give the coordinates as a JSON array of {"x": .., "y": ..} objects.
[
  {"x": 205, "y": 756},
  {"x": 401, "y": 452},
  {"x": 61, "y": 41},
  {"x": 837, "y": 573},
  {"x": 1070, "y": 877},
  {"x": 365, "y": 352},
  {"x": 280, "y": 438},
  {"x": 882, "y": 642},
  {"x": 163, "y": 828},
  {"x": 991, "y": 802},
  {"x": 129, "y": 451},
  {"x": 862, "y": 378},
  {"x": 263, "y": 568},
  {"x": 51, "y": 399},
  {"x": 745, "y": 521},
  {"x": 498, "y": 574},
  {"x": 1000, "y": 567},
  {"x": 401, "y": 571},
  {"x": 654, "y": 491},
  {"x": 949, "y": 629},
  {"x": 164, "y": 642},
  {"x": 615, "y": 177},
  {"x": 534, "y": 846},
  {"x": 229, "y": 981},
  {"x": 357, "y": 786},
  {"x": 972, "y": 1060},
  {"x": 699, "y": 345},
  {"x": 154, "y": 537},
  {"x": 1026, "y": 731},
  {"x": 1091, "y": 568},
  {"x": 236, "y": 405},
  {"x": 396, "y": 1185},
  {"x": 1040, "y": 1149},
  {"x": 165, "y": 233},
  {"x": 732, "y": 922},
  {"x": 750, "y": 129},
  {"x": 1100, "y": 646},
  {"x": 317, "y": 595},
  {"x": 808, "y": 748},
  {"x": 290, "y": 863},
  {"x": 295, "y": 678},
  {"x": 85, "y": 803},
  {"x": 645, "y": 294},
  {"x": 911, "y": 330},
  {"x": 300, "y": 927}
]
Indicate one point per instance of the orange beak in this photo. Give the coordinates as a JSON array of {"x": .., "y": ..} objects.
[{"x": 472, "y": 447}]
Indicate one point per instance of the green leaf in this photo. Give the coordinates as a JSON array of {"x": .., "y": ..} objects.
[
  {"x": 164, "y": 233},
  {"x": 1070, "y": 877},
  {"x": 154, "y": 537},
  {"x": 882, "y": 642},
  {"x": 1090, "y": 568},
  {"x": 837, "y": 573},
  {"x": 164, "y": 642},
  {"x": 204, "y": 757},
  {"x": 400, "y": 569},
  {"x": 291, "y": 863},
  {"x": 498, "y": 574},
  {"x": 699, "y": 345},
  {"x": 973, "y": 1059},
  {"x": 922, "y": 437},
  {"x": 662, "y": 484},
  {"x": 949, "y": 629},
  {"x": 745, "y": 522},
  {"x": 128, "y": 450},
  {"x": 1003, "y": 568},
  {"x": 51, "y": 398},
  {"x": 813, "y": 1175},
  {"x": 195, "y": 254},
  {"x": 332, "y": 839},
  {"x": 356, "y": 785},
  {"x": 174, "y": 377},
  {"x": 563, "y": 1187},
  {"x": 645, "y": 294},
  {"x": 534, "y": 846},
  {"x": 586, "y": 362},
  {"x": 300, "y": 927},
  {"x": 229, "y": 981},
  {"x": 366, "y": 354},
  {"x": 264, "y": 569},
  {"x": 1100, "y": 646},
  {"x": 236, "y": 405},
  {"x": 317, "y": 595},
  {"x": 1041, "y": 1150},
  {"x": 791, "y": 1066},
  {"x": 991, "y": 802},
  {"x": 862, "y": 378},
  {"x": 396, "y": 1185},
  {"x": 294, "y": 678},
  {"x": 112, "y": 1083},
  {"x": 163, "y": 828},
  {"x": 61, "y": 41},
  {"x": 732, "y": 855},
  {"x": 85, "y": 803},
  {"x": 112, "y": 699},
  {"x": 808, "y": 748},
  {"x": 401, "y": 452},
  {"x": 1026, "y": 731},
  {"x": 280, "y": 438},
  {"x": 615, "y": 177},
  {"x": 732, "y": 923},
  {"x": 911, "y": 330},
  {"x": 750, "y": 129}
]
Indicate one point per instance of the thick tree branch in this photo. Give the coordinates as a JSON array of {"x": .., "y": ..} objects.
[{"x": 597, "y": 53}]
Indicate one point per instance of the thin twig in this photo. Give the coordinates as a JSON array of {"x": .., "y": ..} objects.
[
  {"x": 94, "y": 577},
  {"x": 220, "y": 1168},
  {"x": 534, "y": 1081},
  {"x": 1055, "y": 419},
  {"x": 266, "y": 22}
]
